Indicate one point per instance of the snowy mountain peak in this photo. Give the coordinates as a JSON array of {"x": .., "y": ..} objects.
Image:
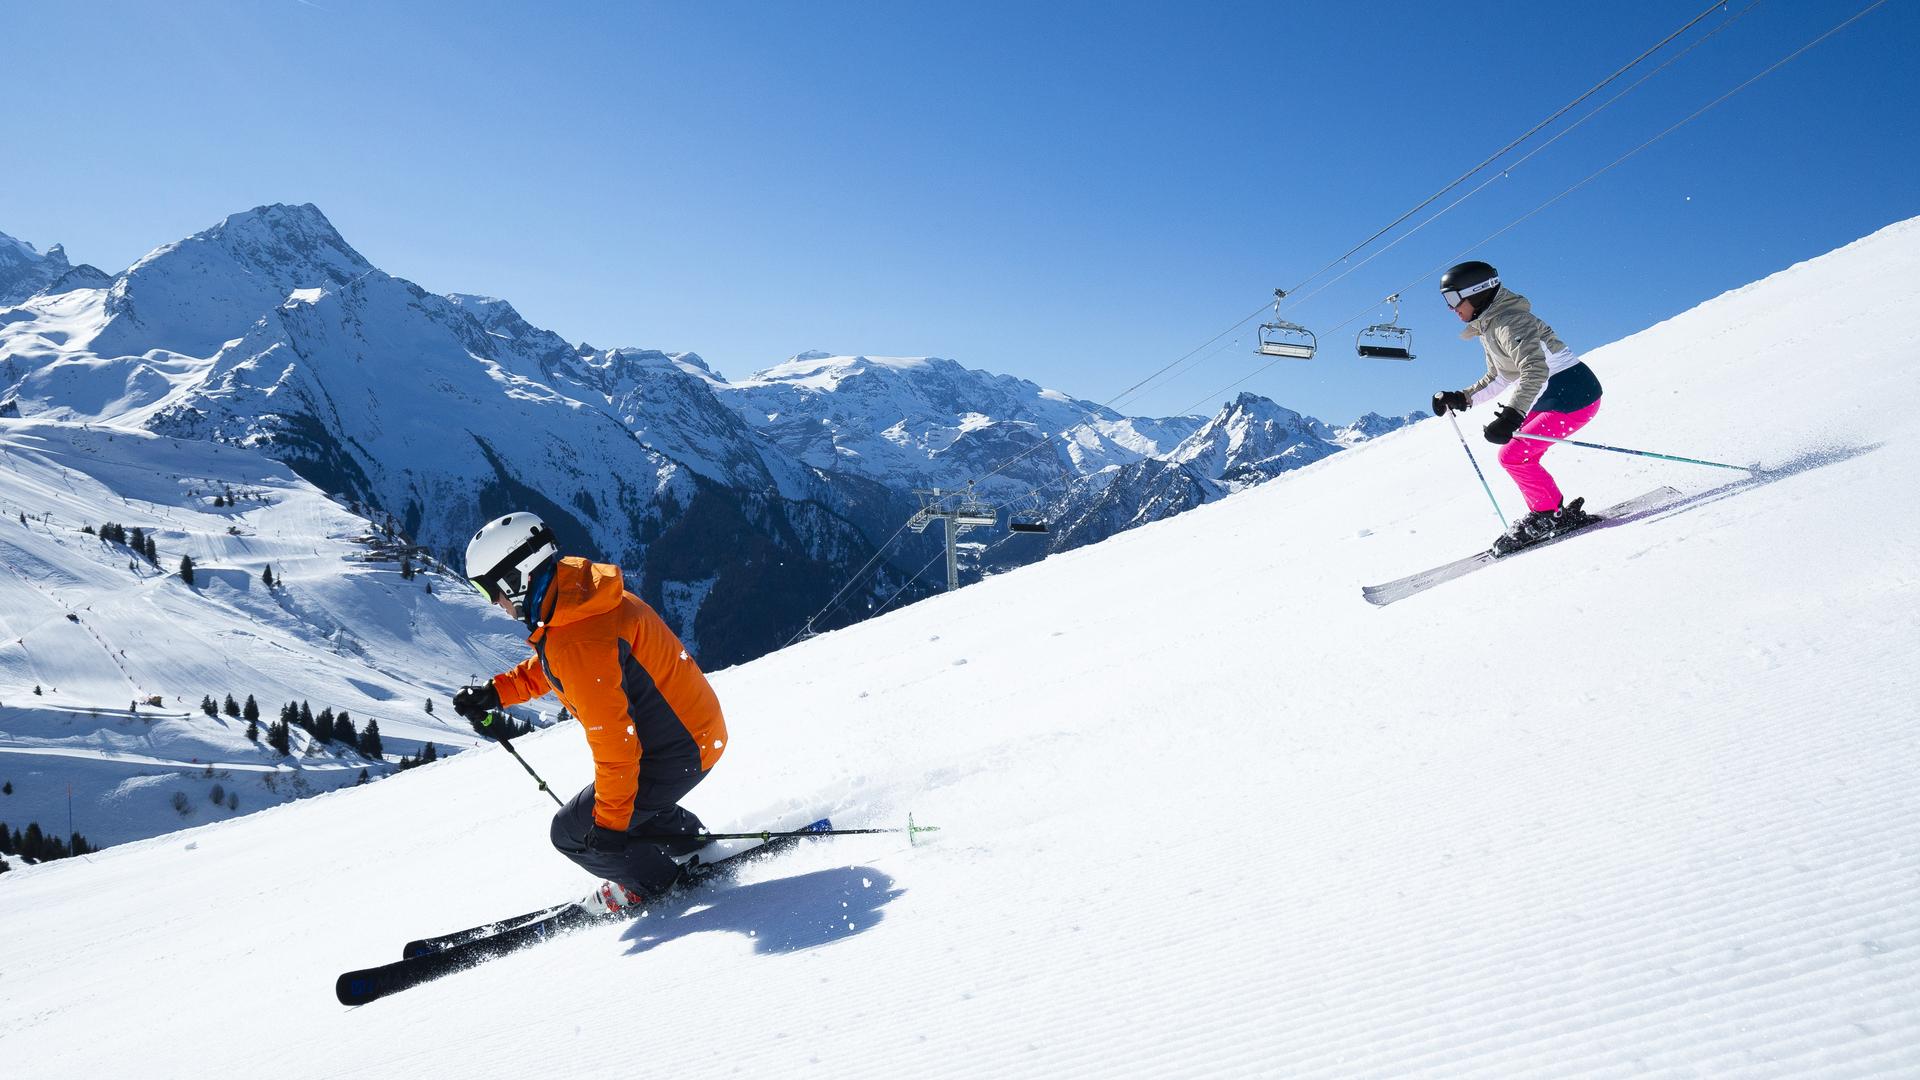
[
  {"x": 196, "y": 294},
  {"x": 1252, "y": 439},
  {"x": 24, "y": 272}
]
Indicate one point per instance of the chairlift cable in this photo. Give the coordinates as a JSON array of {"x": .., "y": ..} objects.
[
  {"x": 1528, "y": 156},
  {"x": 877, "y": 612},
  {"x": 1502, "y": 152},
  {"x": 1257, "y": 312},
  {"x": 1596, "y": 174},
  {"x": 851, "y": 579},
  {"x": 1696, "y": 114}
]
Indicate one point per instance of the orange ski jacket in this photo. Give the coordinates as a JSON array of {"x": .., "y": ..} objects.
[{"x": 614, "y": 664}]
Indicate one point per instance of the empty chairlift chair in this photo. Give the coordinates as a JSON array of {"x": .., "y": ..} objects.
[
  {"x": 1027, "y": 521},
  {"x": 1283, "y": 338},
  {"x": 1388, "y": 340}
]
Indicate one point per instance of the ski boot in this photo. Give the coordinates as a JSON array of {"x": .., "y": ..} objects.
[
  {"x": 614, "y": 900},
  {"x": 1536, "y": 526},
  {"x": 1572, "y": 516}
]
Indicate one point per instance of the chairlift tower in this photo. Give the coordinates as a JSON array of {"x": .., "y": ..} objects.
[{"x": 960, "y": 511}]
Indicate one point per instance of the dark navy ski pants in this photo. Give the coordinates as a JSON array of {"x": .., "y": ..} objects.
[{"x": 645, "y": 866}]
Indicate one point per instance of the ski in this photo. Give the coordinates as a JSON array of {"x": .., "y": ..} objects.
[
  {"x": 1619, "y": 513},
  {"x": 428, "y": 959}
]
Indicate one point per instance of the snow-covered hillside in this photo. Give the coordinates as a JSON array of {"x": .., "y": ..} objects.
[
  {"x": 738, "y": 508},
  {"x": 1642, "y": 802},
  {"x": 92, "y": 634}
]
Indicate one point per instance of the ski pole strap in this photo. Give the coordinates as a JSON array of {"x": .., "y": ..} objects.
[
  {"x": 1475, "y": 462},
  {"x": 1625, "y": 450}
]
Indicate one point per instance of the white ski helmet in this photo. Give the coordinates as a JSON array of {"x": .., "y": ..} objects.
[{"x": 503, "y": 556}]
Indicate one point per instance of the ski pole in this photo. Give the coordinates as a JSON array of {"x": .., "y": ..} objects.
[
  {"x": 1451, "y": 415},
  {"x": 1624, "y": 450},
  {"x": 913, "y": 831},
  {"x": 508, "y": 743}
]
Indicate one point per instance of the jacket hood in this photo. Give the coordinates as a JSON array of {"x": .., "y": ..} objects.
[
  {"x": 1507, "y": 303},
  {"x": 582, "y": 589}
]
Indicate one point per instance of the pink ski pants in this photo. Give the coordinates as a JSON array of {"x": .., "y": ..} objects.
[{"x": 1521, "y": 457}]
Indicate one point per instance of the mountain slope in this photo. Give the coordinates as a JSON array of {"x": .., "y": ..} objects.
[
  {"x": 105, "y": 657},
  {"x": 1641, "y": 802}
]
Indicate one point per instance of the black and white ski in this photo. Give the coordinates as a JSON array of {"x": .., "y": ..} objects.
[
  {"x": 427, "y": 959},
  {"x": 1619, "y": 513}
]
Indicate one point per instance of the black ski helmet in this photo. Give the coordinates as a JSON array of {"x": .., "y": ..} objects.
[{"x": 1475, "y": 281}]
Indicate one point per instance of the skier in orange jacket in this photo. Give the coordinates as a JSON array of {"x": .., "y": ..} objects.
[{"x": 652, "y": 720}]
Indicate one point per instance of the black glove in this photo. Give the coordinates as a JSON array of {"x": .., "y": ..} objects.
[
  {"x": 605, "y": 841},
  {"x": 1506, "y": 421},
  {"x": 1450, "y": 399},
  {"x": 475, "y": 702}
]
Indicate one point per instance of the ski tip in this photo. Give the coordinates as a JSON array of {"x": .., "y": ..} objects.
[{"x": 354, "y": 988}]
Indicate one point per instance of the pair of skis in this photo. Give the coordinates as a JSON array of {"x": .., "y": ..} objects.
[
  {"x": 1619, "y": 513},
  {"x": 426, "y": 959}
]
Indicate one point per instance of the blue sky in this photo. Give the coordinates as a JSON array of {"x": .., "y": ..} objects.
[{"x": 1073, "y": 193}]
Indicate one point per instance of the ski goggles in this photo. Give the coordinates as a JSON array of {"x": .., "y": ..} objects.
[{"x": 1454, "y": 296}]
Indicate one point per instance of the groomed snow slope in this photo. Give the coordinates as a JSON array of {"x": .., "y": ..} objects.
[{"x": 1644, "y": 801}]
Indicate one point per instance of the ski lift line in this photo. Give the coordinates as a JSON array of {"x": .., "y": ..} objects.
[
  {"x": 1244, "y": 320},
  {"x": 1194, "y": 360},
  {"x": 1508, "y": 171},
  {"x": 1770, "y": 69},
  {"x": 1488, "y": 239},
  {"x": 902, "y": 589},
  {"x": 1596, "y": 174},
  {"x": 851, "y": 580},
  {"x": 1502, "y": 152}
]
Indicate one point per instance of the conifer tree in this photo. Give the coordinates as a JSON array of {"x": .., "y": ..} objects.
[
  {"x": 266, "y": 576},
  {"x": 6, "y": 789},
  {"x": 369, "y": 741},
  {"x": 230, "y": 706},
  {"x": 343, "y": 730},
  {"x": 306, "y": 718},
  {"x": 280, "y": 738},
  {"x": 429, "y": 702},
  {"x": 186, "y": 569},
  {"x": 362, "y": 779},
  {"x": 152, "y": 553},
  {"x": 406, "y": 569},
  {"x": 323, "y": 725},
  {"x": 428, "y": 753},
  {"x": 208, "y": 706},
  {"x": 251, "y": 710},
  {"x": 253, "y": 730}
]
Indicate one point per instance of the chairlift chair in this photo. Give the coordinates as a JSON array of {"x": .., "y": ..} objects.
[
  {"x": 1283, "y": 338},
  {"x": 1388, "y": 340}
]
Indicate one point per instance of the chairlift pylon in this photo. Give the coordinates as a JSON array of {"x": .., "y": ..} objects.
[
  {"x": 1283, "y": 338},
  {"x": 1388, "y": 340}
]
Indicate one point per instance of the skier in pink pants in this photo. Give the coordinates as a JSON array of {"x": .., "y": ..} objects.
[{"x": 1542, "y": 387}]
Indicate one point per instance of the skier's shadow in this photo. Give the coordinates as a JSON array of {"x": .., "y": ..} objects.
[{"x": 782, "y": 915}]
